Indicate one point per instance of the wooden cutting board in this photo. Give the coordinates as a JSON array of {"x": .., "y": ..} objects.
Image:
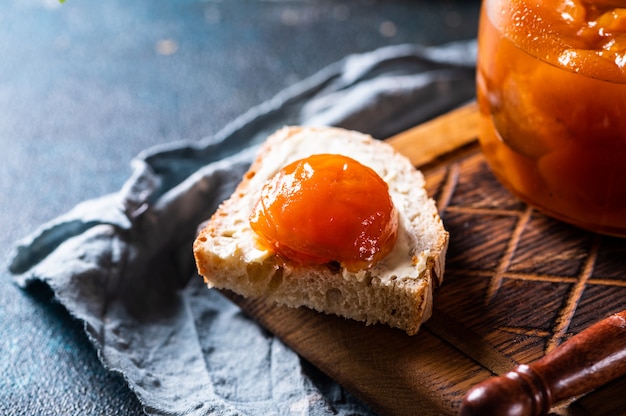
[{"x": 517, "y": 284}]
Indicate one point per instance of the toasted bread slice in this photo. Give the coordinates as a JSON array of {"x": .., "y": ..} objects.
[{"x": 397, "y": 291}]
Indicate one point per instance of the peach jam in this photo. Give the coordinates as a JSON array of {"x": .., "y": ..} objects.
[
  {"x": 327, "y": 208},
  {"x": 551, "y": 86}
]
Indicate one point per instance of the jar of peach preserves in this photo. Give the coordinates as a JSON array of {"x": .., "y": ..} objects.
[{"x": 551, "y": 87}]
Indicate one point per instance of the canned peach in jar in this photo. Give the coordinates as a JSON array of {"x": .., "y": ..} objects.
[{"x": 551, "y": 87}]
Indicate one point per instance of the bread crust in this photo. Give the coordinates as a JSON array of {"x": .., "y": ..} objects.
[{"x": 228, "y": 258}]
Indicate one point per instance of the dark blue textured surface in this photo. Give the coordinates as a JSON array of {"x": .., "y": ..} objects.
[{"x": 87, "y": 85}]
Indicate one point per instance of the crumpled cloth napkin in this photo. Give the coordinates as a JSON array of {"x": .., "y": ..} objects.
[{"x": 123, "y": 263}]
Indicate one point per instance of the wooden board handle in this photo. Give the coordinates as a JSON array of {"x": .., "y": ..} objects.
[{"x": 586, "y": 361}]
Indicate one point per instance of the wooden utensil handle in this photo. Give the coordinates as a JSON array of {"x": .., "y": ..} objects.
[{"x": 586, "y": 361}]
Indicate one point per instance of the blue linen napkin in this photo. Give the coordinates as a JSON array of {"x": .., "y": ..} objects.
[{"x": 123, "y": 264}]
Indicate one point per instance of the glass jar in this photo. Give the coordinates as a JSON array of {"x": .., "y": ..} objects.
[{"x": 551, "y": 88}]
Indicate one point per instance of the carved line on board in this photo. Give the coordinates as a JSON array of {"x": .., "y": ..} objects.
[{"x": 565, "y": 317}]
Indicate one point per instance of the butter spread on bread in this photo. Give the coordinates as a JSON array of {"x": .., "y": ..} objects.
[{"x": 397, "y": 290}]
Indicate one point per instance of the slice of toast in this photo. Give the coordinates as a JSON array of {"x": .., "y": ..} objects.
[{"x": 397, "y": 291}]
